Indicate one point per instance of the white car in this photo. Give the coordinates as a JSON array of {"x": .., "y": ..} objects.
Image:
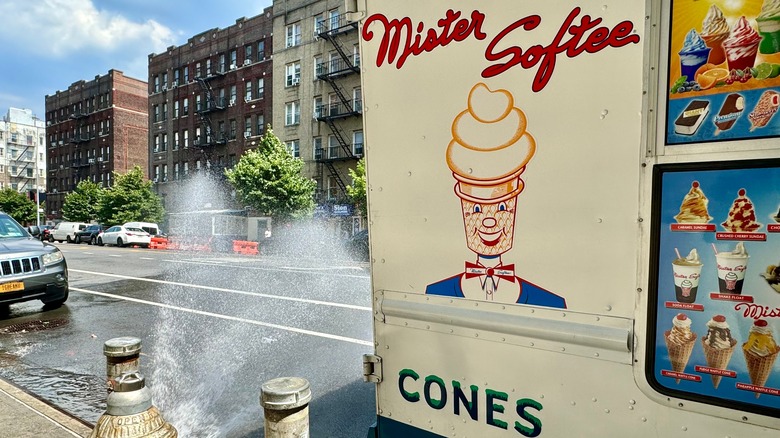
[{"x": 120, "y": 235}]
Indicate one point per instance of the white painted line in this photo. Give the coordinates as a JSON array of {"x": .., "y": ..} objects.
[
  {"x": 42, "y": 414},
  {"x": 231, "y": 318},
  {"x": 146, "y": 258},
  {"x": 233, "y": 291},
  {"x": 302, "y": 270},
  {"x": 114, "y": 255}
]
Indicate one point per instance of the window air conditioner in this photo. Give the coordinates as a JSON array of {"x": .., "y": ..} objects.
[
  {"x": 174, "y": 84},
  {"x": 91, "y": 161},
  {"x": 165, "y": 88},
  {"x": 295, "y": 81},
  {"x": 100, "y": 158},
  {"x": 247, "y": 62},
  {"x": 232, "y": 66}
]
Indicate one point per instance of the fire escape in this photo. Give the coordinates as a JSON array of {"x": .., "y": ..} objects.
[
  {"x": 332, "y": 113},
  {"x": 79, "y": 166},
  {"x": 211, "y": 103}
]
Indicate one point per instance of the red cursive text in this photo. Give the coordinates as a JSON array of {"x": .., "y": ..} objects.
[
  {"x": 401, "y": 39},
  {"x": 757, "y": 311},
  {"x": 451, "y": 30}
]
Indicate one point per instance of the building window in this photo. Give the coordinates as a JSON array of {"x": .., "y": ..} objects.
[
  {"x": 260, "y": 51},
  {"x": 292, "y": 113},
  {"x": 318, "y": 108},
  {"x": 156, "y": 143},
  {"x": 333, "y": 187},
  {"x": 165, "y": 111},
  {"x": 233, "y": 128},
  {"x": 293, "y": 32},
  {"x": 186, "y": 168},
  {"x": 319, "y": 67},
  {"x": 165, "y": 80},
  {"x": 156, "y": 173},
  {"x": 197, "y": 70},
  {"x": 260, "y": 124},
  {"x": 185, "y": 106},
  {"x": 357, "y": 100},
  {"x": 260, "y": 88},
  {"x": 248, "y": 91},
  {"x": 357, "y": 143},
  {"x": 186, "y": 136},
  {"x": 175, "y": 171},
  {"x": 335, "y": 19},
  {"x": 319, "y": 24},
  {"x": 164, "y": 142},
  {"x": 165, "y": 173},
  {"x": 232, "y": 95},
  {"x": 248, "y": 127},
  {"x": 233, "y": 59},
  {"x": 333, "y": 147},
  {"x": 156, "y": 84},
  {"x": 316, "y": 144},
  {"x": 222, "y": 63},
  {"x": 175, "y": 109},
  {"x": 292, "y": 74},
  {"x": 208, "y": 67},
  {"x": 247, "y": 54},
  {"x": 294, "y": 147},
  {"x": 175, "y": 141},
  {"x": 186, "y": 74},
  {"x": 175, "y": 78},
  {"x": 198, "y": 107},
  {"x": 157, "y": 113}
]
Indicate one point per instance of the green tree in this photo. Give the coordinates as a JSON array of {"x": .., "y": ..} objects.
[
  {"x": 81, "y": 205},
  {"x": 357, "y": 191},
  {"x": 269, "y": 180},
  {"x": 17, "y": 205},
  {"x": 130, "y": 199}
]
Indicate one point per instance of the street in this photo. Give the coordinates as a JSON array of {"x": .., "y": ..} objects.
[{"x": 213, "y": 327}]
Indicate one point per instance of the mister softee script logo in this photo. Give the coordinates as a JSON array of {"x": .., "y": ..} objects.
[{"x": 402, "y": 39}]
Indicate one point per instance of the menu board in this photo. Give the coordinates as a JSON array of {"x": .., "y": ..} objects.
[
  {"x": 724, "y": 71},
  {"x": 715, "y": 284}
]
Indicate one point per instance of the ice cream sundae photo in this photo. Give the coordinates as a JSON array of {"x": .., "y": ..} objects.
[
  {"x": 772, "y": 277},
  {"x": 741, "y": 46},
  {"x": 742, "y": 215},
  {"x": 714, "y": 31},
  {"x": 693, "y": 209},
  {"x": 487, "y": 154}
]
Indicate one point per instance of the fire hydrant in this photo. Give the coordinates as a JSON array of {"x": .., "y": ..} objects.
[{"x": 130, "y": 413}]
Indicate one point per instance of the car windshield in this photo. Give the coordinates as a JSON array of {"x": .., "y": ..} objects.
[{"x": 10, "y": 229}]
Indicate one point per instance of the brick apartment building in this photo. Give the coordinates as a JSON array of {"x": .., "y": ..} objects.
[
  {"x": 317, "y": 82},
  {"x": 209, "y": 101},
  {"x": 94, "y": 128}
]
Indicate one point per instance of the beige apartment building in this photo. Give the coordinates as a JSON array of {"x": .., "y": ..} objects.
[
  {"x": 318, "y": 99},
  {"x": 22, "y": 152}
]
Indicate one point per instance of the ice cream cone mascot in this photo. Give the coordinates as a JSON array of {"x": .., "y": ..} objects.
[{"x": 489, "y": 150}]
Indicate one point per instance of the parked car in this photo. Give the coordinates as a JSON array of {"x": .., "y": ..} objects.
[
  {"x": 29, "y": 269},
  {"x": 151, "y": 228},
  {"x": 66, "y": 231},
  {"x": 121, "y": 235},
  {"x": 89, "y": 234}
]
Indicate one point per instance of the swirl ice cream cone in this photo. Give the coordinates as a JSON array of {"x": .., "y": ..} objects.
[
  {"x": 489, "y": 150},
  {"x": 718, "y": 346},
  {"x": 680, "y": 341},
  {"x": 714, "y": 31},
  {"x": 760, "y": 352}
]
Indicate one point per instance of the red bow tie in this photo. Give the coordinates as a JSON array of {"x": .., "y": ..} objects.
[{"x": 506, "y": 272}]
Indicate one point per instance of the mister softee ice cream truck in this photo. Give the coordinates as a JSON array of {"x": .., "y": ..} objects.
[{"x": 574, "y": 214}]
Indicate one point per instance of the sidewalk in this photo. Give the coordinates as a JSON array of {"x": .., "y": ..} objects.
[{"x": 24, "y": 416}]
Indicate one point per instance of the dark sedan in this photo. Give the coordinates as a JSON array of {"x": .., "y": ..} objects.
[{"x": 89, "y": 234}]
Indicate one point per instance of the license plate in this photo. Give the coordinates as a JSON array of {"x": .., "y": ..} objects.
[{"x": 12, "y": 286}]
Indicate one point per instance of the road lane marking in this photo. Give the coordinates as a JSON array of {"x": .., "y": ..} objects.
[
  {"x": 233, "y": 291},
  {"x": 302, "y": 270},
  {"x": 230, "y": 318},
  {"x": 147, "y": 258}
]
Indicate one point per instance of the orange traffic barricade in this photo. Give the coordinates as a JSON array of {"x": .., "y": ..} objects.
[
  {"x": 158, "y": 243},
  {"x": 245, "y": 247}
]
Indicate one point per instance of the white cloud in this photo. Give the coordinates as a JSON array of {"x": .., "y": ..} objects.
[{"x": 63, "y": 27}]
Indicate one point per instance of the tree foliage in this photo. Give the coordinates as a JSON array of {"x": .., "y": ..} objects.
[
  {"x": 81, "y": 205},
  {"x": 357, "y": 191},
  {"x": 269, "y": 180},
  {"x": 130, "y": 199},
  {"x": 17, "y": 205}
]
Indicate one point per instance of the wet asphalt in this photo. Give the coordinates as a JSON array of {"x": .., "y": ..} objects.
[{"x": 213, "y": 327}]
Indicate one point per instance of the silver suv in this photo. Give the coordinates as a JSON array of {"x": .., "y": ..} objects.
[{"x": 29, "y": 269}]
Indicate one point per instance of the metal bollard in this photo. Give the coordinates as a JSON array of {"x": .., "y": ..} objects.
[
  {"x": 122, "y": 356},
  {"x": 130, "y": 413},
  {"x": 285, "y": 402}
]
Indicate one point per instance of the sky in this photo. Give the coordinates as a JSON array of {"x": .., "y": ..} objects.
[{"x": 46, "y": 45}]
